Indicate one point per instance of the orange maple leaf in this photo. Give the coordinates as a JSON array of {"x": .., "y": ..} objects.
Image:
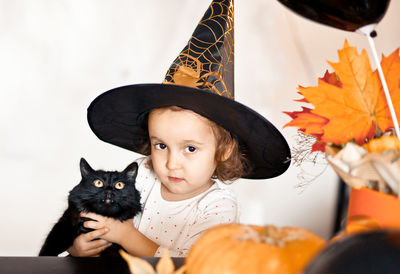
[
  {"x": 351, "y": 108},
  {"x": 349, "y": 103},
  {"x": 307, "y": 122},
  {"x": 391, "y": 70}
]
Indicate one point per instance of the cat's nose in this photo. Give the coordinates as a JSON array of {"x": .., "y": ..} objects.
[{"x": 108, "y": 198}]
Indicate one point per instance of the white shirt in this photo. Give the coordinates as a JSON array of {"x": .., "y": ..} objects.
[{"x": 176, "y": 225}]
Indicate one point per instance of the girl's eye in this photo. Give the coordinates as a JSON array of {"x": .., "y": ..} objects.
[
  {"x": 190, "y": 149},
  {"x": 119, "y": 185},
  {"x": 98, "y": 183},
  {"x": 160, "y": 146}
]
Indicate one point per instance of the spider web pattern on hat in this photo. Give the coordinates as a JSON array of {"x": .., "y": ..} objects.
[{"x": 207, "y": 61}]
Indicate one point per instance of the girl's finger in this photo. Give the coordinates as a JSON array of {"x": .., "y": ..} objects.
[
  {"x": 93, "y": 225},
  {"x": 95, "y": 252},
  {"x": 90, "y": 236},
  {"x": 91, "y": 215},
  {"x": 98, "y": 244}
]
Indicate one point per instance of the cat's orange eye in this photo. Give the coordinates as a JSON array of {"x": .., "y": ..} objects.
[
  {"x": 98, "y": 183},
  {"x": 119, "y": 185}
]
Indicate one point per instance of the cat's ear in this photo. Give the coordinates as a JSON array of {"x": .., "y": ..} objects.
[
  {"x": 85, "y": 168},
  {"x": 131, "y": 171}
]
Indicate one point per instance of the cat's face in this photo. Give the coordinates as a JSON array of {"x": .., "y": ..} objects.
[{"x": 108, "y": 193}]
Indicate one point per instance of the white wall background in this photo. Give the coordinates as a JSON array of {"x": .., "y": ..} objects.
[{"x": 57, "y": 56}]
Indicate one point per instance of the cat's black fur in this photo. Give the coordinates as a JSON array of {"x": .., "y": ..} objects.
[{"x": 121, "y": 204}]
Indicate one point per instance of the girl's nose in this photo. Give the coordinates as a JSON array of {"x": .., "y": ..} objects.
[{"x": 173, "y": 161}]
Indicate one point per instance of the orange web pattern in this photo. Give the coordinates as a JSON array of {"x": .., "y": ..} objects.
[{"x": 207, "y": 60}]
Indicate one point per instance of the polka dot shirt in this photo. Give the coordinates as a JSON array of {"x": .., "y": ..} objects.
[{"x": 176, "y": 225}]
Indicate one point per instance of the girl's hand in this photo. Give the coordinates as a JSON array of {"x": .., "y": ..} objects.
[
  {"x": 85, "y": 244},
  {"x": 116, "y": 228},
  {"x": 122, "y": 233}
]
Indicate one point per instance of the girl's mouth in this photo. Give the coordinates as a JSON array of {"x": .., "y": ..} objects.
[{"x": 175, "y": 179}]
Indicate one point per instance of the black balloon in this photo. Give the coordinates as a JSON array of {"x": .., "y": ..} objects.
[
  {"x": 373, "y": 252},
  {"x": 348, "y": 15}
]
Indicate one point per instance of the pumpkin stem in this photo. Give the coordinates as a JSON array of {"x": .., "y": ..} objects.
[
  {"x": 249, "y": 234},
  {"x": 270, "y": 234},
  {"x": 273, "y": 235}
]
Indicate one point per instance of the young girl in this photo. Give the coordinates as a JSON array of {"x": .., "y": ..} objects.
[
  {"x": 180, "y": 198},
  {"x": 196, "y": 136}
]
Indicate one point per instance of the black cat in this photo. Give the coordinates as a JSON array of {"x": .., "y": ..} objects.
[{"x": 108, "y": 193}]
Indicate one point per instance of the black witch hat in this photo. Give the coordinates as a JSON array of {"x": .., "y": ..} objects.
[{"x": 200, "y": 79}]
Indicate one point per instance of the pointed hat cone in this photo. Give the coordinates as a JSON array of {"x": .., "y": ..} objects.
[{"x": 207, "y": 61}]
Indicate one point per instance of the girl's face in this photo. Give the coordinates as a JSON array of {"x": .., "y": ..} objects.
[{"x": 183, "y": 149}]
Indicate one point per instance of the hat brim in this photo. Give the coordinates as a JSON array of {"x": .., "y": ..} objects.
[{"x": 116, "y": 117}]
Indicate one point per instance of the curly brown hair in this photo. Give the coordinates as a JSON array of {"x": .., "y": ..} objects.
[{"x": 231, "y": 163}]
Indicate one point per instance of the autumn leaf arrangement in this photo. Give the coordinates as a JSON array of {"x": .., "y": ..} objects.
[
  {"x": 165, "y": 265},
  {"x": 349, "y": 121}
]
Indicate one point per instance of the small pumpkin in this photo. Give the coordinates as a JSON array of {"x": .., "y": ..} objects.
[
  {"x": 383, "y": 143},
  {"x": 357, "y": 224},
  {"x": 238, "y": 248}
]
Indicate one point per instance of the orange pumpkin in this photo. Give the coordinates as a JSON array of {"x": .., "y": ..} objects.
[
  {"x": 237, "y": 248},
  {"x": 357, "y": 224}
]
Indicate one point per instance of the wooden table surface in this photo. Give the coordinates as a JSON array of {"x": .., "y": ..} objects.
[{"x": 67, "y": 265}]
